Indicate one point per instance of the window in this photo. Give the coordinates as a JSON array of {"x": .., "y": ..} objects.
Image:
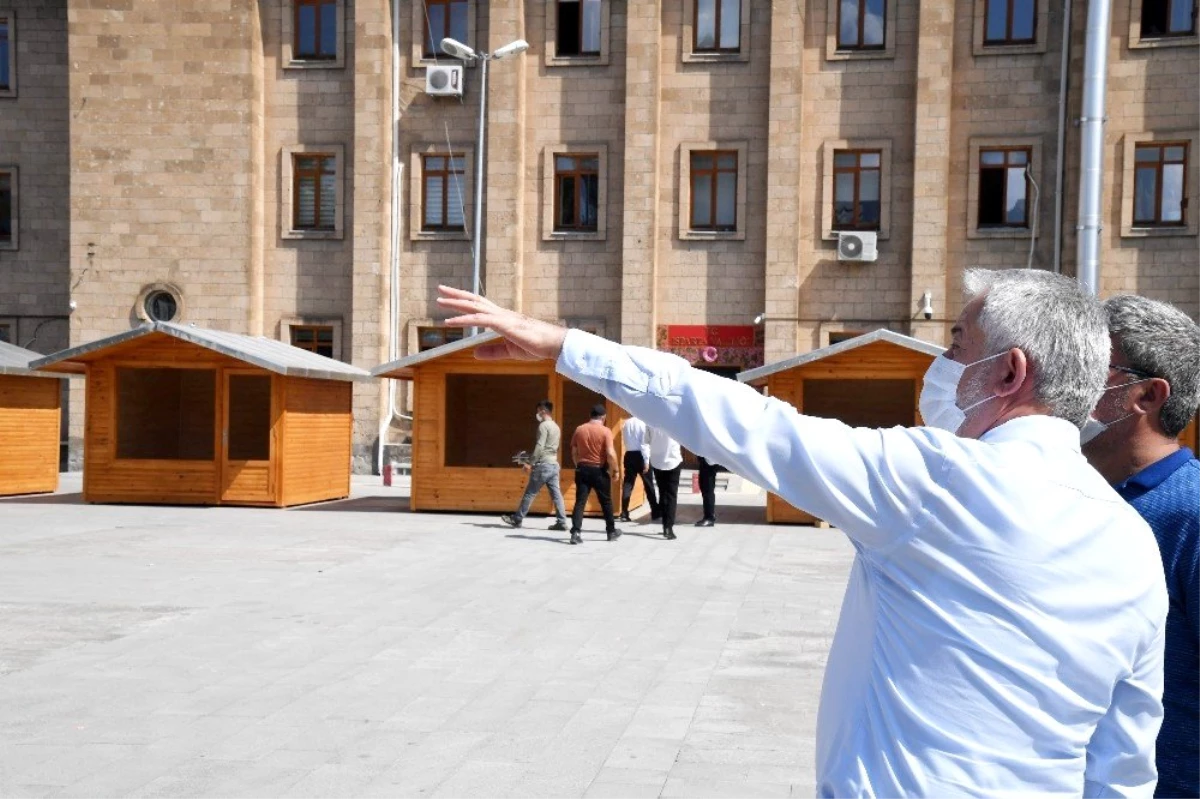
[
  {"x": 8, "y": 208},
  {"x": 475, "y": 403},
  {"x": 1010, "y": 22},
  {"x": 838, "y": 336},
  {"x": 442, "y": 197},
  {"x": 6, "y": 334},
  {"x": 1159, "y": 193},
  {"x": 1004, "y": 188},
  {"x": 714, "y": 179},
  {"x": 1161, "y": 18},
  {"x": 576, "y": 191},
  {"x": 6, "y": 52},
  {"x": 166, "y": 414},
  {"x": 314, "y": 187},
  {"x": 315, "y": 30},
  {"x": 314, "y": 338},
  {"x": 315, "y": 191},
  {"x": 429, "y": 338},
  {"x": 578, "y": 28},
  {"x": 861, "y": 24},
  {"x": 717, "y": 26},
  {"x": 249, "y": 417},
  {"x": 856, "y": 189},
  {"x": 161, "y": 306},
  {"x": 444, "y": 19}
]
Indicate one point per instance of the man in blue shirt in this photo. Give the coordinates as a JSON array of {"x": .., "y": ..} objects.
[{"x": 1153, "y": 392}]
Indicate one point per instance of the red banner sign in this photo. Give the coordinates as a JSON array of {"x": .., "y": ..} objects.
[{"x": 710, "y": 336}]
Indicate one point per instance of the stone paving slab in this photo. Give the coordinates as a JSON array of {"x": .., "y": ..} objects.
[{"x": 357, "y": 649}]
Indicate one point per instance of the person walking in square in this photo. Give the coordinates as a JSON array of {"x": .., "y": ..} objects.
[
  {"x": 543, "y": 470},
  {"x": 635, "y": 466},
  {"x": 663, "y": 455},
  {"x": 708, "y": 491},
  {"x": 595, "y": 460}
]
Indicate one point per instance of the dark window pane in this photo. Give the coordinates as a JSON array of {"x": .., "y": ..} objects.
[
  {"x": 1146, "y": 154},
  {"x": 329, "y": 31},
  {"x": 564, "y": 163},
  {"x": 568, "y": 28},
  {"x": 455, "y": 217},
  {"x": 868, "y": 186},
  {"x": 1174, "y": 153},
  {"x": 591, "y": 27},
  {"x": 166, "y": 414},
  {"x": 435, "y": 22},
  {"x": 727, "y": 161},
  {"x": 848, "y": 25},
  {"x": 1023, "y": 20},
  {"x": 4, "y": 45},
  {"x": 843, "y": 190},
  {"x": 458, "y": 20},
  {"x": 566, "y": 202},
  {"x": 6, "y": 206},
  {"x": 702, "y": 201},
  {"x": 868, "y": 213},
  {"x": 306, "y": 202},
  {"x": 589, "y": 164},
  {"x": 845, "y": 159},
  {"x": 433, "y": 201},
  {"x": 306, "y": 31},
  {"x": 991, "y": 197},
  {"x": 1172, "y": 193},
  {"x": 302, "y": 336},
  {"x": 434, "y": 163},
  {"x": 1155, "y": 17},
  {"x": 589, "y": 215},
  {"x": 873, "y": 24},
  {"x": 328, "y": 201},
  {"x": 706, "y": 24},
  {"x": 1145, "y": 189},
  {"x": 997, "y": 19},
  {"x": 249, "y": 418},
  {"x": 490, "y": 438},
  {"x": 727, "y": 200},
  {"x": 731, "y": 24},
  {"x": 1015, "y": 212},
  {"x": 702, "y": 161}
]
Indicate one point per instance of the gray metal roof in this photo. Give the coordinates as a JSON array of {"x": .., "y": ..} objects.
[
  {"x": 763, "y": 372},
  {"x": 402, "y": 369},
  {"x": 265, "y": 353},
  {"x": 15, "y": 360}
]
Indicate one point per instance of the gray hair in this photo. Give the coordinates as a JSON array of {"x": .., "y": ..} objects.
[
  {"x": 1160, "y": 340},
  {"x": 1060, "y": 328}
]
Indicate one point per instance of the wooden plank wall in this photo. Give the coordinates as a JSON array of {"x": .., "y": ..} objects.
[
  {"x": 314, "y": 459},
  {"x": 29, "y": 434}
]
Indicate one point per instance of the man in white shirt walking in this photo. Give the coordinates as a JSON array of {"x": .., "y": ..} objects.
[
  {"x": 661, "y": 453},
  {"x": 1002, "y": 631},
  {"x": 633, "y": 434}
]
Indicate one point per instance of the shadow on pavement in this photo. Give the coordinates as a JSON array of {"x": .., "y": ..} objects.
[
  {"x": 566, "y": 541},
  {"x": 361, "y": 505},
  {"x": 45, "y": 499}
]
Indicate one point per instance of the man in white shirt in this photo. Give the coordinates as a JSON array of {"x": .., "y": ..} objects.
[
  {"x": 633, "y": 435},
  {"x": 1002, "y": 631},
  {"x": 662, "y": 454}
]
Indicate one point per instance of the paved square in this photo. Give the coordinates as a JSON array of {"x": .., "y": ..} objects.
[{"x": 354, "y": 649}]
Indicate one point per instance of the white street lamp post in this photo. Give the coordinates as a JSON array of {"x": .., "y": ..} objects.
[{"x": 456, "y": 49}]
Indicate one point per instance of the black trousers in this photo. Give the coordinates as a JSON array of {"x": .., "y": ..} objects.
[
  {"x": 587, "y": 479},
  {"x": 668, "y": 494},
  {"x": 708, "y": 488},
  {"x": 634, "y": 464}
]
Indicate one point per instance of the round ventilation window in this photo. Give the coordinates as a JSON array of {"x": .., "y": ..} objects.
[{"x": 161, "y": 306}]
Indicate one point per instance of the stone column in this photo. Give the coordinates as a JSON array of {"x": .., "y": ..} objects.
[
  {"x": 504, "y": 208},
  {"x": 931, "y": 166},
  {"x": 785, "y": 137},
  {"x": 643, "y": 75}
]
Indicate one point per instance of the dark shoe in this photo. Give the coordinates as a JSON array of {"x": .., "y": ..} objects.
[
  {"x": 576, "y": 538},
  {"x": 669, "y": 534},
  {"x": 613, "y": 535},
  {"x": 558, "y": 527},
  {"x": 510, "y": 520},
  {"x": 624, "y": 517},
  {"x": 706, "y": 523}
]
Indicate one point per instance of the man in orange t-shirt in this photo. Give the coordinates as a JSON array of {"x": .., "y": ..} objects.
[{"x": 595, "y": 460}]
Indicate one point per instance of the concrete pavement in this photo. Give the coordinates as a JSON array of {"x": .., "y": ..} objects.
[{"x": 355, "y": 649}]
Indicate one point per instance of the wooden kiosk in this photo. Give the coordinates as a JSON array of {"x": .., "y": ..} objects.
[
  {"x": 30, "y": 424},
  {"x": 471, "y": 417},
  {"x": 873, "y": 380},
  {"x": 182, "y": 415}
]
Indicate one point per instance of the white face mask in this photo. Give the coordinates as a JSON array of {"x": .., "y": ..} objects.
[
  {"x": 939, "y": 393},
  {"x": 1094, "y": 427},
  {"x": 537, "y": 417}
]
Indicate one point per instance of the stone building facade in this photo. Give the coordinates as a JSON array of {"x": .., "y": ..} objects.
[{"x": 667, "y": 173}]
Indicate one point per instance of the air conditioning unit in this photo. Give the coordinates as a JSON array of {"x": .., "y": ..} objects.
[
  {"x": 857, "y": 246},
  {"x": 444, "y": 80}
]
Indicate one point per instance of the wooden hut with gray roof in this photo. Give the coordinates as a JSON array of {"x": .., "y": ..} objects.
[
  {"x": 872, "y": 380},
  {"x": 183, "y": 415},
  {"x": 30, "y": 424}
]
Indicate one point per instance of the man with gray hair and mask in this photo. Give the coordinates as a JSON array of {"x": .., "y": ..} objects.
[
  {"x": 1132, "y": 439},
  {"x": 1002, "y": 631}
]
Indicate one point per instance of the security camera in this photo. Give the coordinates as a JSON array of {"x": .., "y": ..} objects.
[{"x": 927, "y": 304}]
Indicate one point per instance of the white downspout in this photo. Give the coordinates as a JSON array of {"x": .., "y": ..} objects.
[
  {"x": 389, "y": 412},
  {"x": 1060, "y": 171},
  {"x": 1091, "y": 160}
]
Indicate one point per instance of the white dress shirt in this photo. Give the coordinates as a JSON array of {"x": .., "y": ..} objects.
[
  {"x": 1002, "y": 630},
  {"x": 633, "y": 433},
  {"x": 660, "y": 450}
]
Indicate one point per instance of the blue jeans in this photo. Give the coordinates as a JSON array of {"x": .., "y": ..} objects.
[{"x": 543, "y": 474}]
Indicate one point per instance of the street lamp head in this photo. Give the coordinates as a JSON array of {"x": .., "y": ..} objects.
[
  {"x": 512, "y": 48},
  {"x": 456, "y": 49}
]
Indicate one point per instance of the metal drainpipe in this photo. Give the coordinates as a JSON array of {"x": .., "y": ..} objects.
[
  {"x": 386, "y": 417},
  {"x": 1060, "y": 172},
  {"x": 1091, "y": 160}
]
